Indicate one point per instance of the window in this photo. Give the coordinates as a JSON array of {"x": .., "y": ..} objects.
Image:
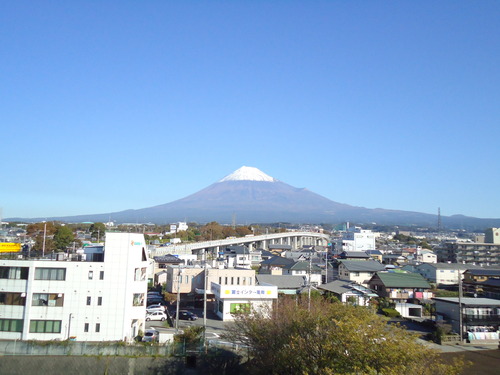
[
  {"x": 86, "y": 327},
  {"x": 45, "y": 326},
  {"x": 140, "y": 274},
  {"x": 89, "y": 301},
  {"x": 98, "y": 327},
  {"x": 238, "y": 280},
  {"x": 138, "y": 299},
  {"x": 232, "y": 280},
  {"x": 225, "y": 283},
  {"x": 99, "y": 301},
  {"x": 101, "y": 275},
  {"x": 235, "y": 308},
  {"x": 220, "y": 280},
  {"x": 249, "y": 281},
  {"x": 14, "y": 299},
  {"x": 91, "y": 275},
  {"x": 11, "y": 325},
  {"x": 187, "y": 279},
  {"x": 18, "y": 273},
  {"x": 50, "y": 273},
  {"x": 47, "y": 299}
]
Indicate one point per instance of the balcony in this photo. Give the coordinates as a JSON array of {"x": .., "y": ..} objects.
[
  {"x": 399, "y": 295},
  {"x": 481, "y": 319}
]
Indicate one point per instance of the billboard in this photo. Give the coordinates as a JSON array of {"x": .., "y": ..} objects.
[{"x": 10, "y": 247}]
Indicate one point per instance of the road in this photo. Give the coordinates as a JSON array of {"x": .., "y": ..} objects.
[{"x": 215, "y": 326}]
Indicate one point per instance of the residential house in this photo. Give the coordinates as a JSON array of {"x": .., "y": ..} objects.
[
  {"x": 354, "y": 255},
  {"x": 161, "y": 262},
  {"x": 480, "y": 317},
  {"x": 442, "y": 273},
  {"x": 375, "y": 255},
  {"x": 310, "y": 271},
  {"x": 275, "y": 265},
  {"x": 426, "y": 256},
  {"x": 286, "y": 284},
  {"x": 394, "y": 259},
  {"x": 482, "y": 282},
  {"x": 347, "y": 291},
  {"x": 401, "y": 286},
  {"x": 358, "y": 271},
  {"x": 237, "y": 256},
  {"x": 277, "y": 249}
]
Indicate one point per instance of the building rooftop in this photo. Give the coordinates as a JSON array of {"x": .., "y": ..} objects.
[
  {"x": 450, "y": 266},
  {"x": 340, "y": 287},
  {"x": 282, "y": 281},
  {"x": 168, "y": 258},
  {"x": 402, "y": 280},
  {"x": 303, "y": 266},
  {"x": 483, "y": 272},
  {"x": 354, "y": 254},
  {"x": 277, "y": 261},
  {"x": 362, "y": 265},
  {"x": 470, "y": 301}
]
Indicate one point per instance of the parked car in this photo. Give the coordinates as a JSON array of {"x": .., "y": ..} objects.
[
  {"x": 153, "y": 308},
  {"x": 155, "y": 301},
  {"x": 186, "y": 315},
  {"x": 151, "y": 335},
  {"x": 156, "y": 315}
]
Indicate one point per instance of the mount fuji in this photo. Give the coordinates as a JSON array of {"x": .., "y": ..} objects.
[{"x": 252, "y": 196}]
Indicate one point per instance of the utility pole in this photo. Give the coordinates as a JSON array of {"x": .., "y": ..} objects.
[
  {"x": 179, "y": 275},
  {"x": 205, "y": 302},
  {"x": 460, "y": 321},
  {"x": 44, "y": 235},
  {"x": 309, "y": 282}
]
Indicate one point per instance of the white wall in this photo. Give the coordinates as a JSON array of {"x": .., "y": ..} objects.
[{"x": 116, "y": 315}]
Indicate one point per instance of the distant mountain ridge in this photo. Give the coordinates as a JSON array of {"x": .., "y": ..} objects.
[{"x": 251, "y": 196}]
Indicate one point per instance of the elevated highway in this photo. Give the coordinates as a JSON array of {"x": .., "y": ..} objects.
[{"x": 295, "y": 239}]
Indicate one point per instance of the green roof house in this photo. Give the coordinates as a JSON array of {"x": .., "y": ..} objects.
[{"x": 400, "y": 287}]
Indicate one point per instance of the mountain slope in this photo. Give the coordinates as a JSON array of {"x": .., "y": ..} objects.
[{"x": 252, "y": 196}]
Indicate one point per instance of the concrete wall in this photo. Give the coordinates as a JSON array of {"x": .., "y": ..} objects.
[{"x": 34, "y": 365}]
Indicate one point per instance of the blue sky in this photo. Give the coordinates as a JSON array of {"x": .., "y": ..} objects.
[{"x": 111, "y": 105}]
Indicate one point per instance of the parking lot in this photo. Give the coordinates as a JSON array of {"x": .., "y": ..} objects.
[{"x": 215, "y": 326}]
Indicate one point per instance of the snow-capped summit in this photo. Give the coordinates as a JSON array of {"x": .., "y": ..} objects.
[{"x": 248, "y": 174}]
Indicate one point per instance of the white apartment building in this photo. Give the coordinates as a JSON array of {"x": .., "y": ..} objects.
[
  {"x": 96, "y": 296},
  {"x": 357, "y": 239}
]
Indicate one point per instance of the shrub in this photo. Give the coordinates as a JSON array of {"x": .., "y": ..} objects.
[{"x": 391, "y": 313}]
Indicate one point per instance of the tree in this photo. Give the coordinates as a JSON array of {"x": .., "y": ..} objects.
[
  {"x": 97, "y": 231},
  {"x": 212, "y": 231},
  {"x": 63, "y": 237},
  {"x": 331, "y": 338}
]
